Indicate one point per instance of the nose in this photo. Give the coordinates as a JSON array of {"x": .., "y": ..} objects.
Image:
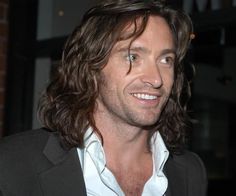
[{"x": 152, "y": 76}]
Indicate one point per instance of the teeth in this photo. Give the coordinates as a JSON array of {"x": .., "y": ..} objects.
[{"x": 144, "y": 96}]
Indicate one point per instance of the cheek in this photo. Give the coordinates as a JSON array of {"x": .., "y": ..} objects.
[
  {"x": 108, "y": 84},
  {"x": 171, "y": 82},
  {"x": 168, "y": 79},
  {"x": 114, "y": 77}
]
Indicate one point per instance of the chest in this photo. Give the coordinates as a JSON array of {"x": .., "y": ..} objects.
[{"x": 132, "y": 182}]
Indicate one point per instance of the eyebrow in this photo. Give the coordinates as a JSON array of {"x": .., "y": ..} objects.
[
  {"x": 146, "y": 50},
  {"x": 168, "y": 51}
]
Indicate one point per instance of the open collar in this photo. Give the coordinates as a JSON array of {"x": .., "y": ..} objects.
[{"x": 65, "y": 176}]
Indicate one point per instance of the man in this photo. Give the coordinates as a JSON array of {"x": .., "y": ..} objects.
[{"x": 114, "y": 122}]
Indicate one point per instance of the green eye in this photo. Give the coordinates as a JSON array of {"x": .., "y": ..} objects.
[{"x": 131, "y": 57}]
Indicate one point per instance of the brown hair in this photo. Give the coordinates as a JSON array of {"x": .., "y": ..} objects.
[{"x": 68, "y": 102}]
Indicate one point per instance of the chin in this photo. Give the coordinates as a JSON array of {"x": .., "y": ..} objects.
[{"x": 147, "y": 122}]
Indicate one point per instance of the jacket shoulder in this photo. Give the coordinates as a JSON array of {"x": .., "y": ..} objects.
[
  {"x": 26, "y": 148},
  {"x": 21, "y": 159},
  {"x": 31, "y": 141},
  {"x": 189, "y": 160},
  {"x": 192, "y": 163},
  {"x": 190, "y": 168}
]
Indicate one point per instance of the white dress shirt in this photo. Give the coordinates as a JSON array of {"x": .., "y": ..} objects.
[{"x": 100, "y": 181}]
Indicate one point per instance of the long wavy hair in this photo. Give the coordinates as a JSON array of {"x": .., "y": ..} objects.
[{"x": 69, "y": 101}]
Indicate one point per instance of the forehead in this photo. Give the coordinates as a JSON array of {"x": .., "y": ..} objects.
[{"x": 155, "y": 32}]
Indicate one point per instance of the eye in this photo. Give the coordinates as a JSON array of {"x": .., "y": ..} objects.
[
  {"x": 168, "y": 60},
  {"x": 131, "y": 57}
]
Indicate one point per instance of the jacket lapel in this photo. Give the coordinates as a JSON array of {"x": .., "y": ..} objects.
[
  {"x": 176, "y": 175},
  {"x": 65, "y": 176}
]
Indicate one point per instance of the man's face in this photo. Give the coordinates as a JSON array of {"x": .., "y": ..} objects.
[{"x": 137, "y": 98}]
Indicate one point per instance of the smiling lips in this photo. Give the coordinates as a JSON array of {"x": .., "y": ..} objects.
[{"x": 144, "y": 96}]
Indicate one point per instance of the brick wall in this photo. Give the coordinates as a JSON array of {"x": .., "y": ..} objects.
[{"x": 3, "y": 56}]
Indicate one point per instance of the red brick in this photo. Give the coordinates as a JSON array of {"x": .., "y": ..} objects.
[
  {"x": 2, "y": 63},
  {"x": 3, "y": 46},
  {"x": 2, "y": 98},
  {"x": 3, "y": 30},
  {"x": 2, "y": 80}
]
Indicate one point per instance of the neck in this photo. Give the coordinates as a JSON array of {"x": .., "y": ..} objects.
[
  {"x": 126, "y": 152},
  {"x": 122, "y": 142}
]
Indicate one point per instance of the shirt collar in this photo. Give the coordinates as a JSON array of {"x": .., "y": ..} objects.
[
  {"x": 93, "y": 147},
  {"x": 159, "y": 152}
]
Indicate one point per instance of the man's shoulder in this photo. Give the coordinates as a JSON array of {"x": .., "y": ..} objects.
[
  {"x": 22, "y": 158},
  {"x": 24, "y": 146},
  {"x": 187, "y": 169},
  {"x": 22, "y": 153},
  {"x": 191, "y": 164},
  {"x": 188, "y": 162},
  {"x": 188, "y": 159},
  {"x": 19, "y": 141}
]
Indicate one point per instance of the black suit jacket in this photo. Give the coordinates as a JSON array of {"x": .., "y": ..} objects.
[{"x": 34, "y": 164}]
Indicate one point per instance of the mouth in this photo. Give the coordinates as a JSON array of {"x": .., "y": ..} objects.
[{"x": 144, "y": 96}]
